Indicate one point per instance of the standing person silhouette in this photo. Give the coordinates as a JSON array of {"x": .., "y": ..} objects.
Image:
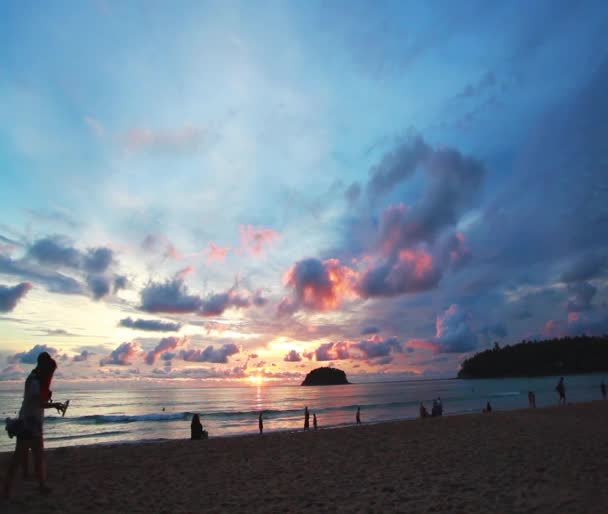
[
  {"x": 261, "y": 422},
  {"x": 561, "y": 390},
  {"x": 306, "y": 419},
  {"x": 314, "y": 420},
  {"x": 358, "y": 416},
  {"x": 28, "y": 427},
  {"x": 603, "y": 389}
]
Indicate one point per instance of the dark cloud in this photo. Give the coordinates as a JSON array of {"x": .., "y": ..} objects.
[
  {"x": 99, "y": 285},
  {"x": 292, "y": 356},
  {"x": 172, "y": 296},
  {"x": 210, "y": 354},
  {"x": 10, "y": 296},
  {"x": 122, "y": 355},
  {"x": 396, "y": 166},
  {"x": 164, "y": 345},
  {"x": 31, "y": 356},
  {"x": 374, "y": 348},
  {"x": 56, "y": 251},
  {"x": 369, "y": 330},
  {"x": 82, "y": 356},
  {"x": 454, "y": 333},
  {"x": 53, "y": 281},
  {"x": 150, "y": 325},
  {"x": 581, "y": 296},
  {"x": 485, "y": 83},
  {"x": 332, "y": 351},
  {"x": 585, "y": 268},
  {"x": 97, "y": 260}
]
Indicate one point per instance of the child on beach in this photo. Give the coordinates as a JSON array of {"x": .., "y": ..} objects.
[
  {"x": 261, "y": 423},
  {"x": 314, "y": 420},
  {"x": 306, "y": 419},
  {"x": 358, "y": 416},
  {"x": 531, "y": 399},
  {"x": 28, "y": 427},
  {"x": 603, "y": 389},
  {"x": 423, "y": 412}
]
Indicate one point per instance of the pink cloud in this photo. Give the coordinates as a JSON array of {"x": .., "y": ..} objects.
[
  {"x": 318, "y": 285},
  {"x": 184, "y": 272},
  {"x": 186, "y": 138},
  {"x": 423, "y": 344},
  {"x": 257, "y": 239},
  {"x": 217, "y": 253}
]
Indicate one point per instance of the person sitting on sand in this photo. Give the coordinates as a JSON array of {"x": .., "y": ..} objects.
[
  {"x": 603, "y": 389},
  {"x": 423, "y": 412},
  {"x": 561, "y": 390},
  {"x": 314, "y": 420},
  {"x": 196, "y": 428},
  {"x": 358, "y": 416},
  {"x": 28, "y": 427},
  {"x": 306, "y": 419},
  {"x": 261, "y": 423}
]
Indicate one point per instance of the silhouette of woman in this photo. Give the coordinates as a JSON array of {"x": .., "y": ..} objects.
[
  {"x": 196, "y": 428},
  {"x": 28, "y": 427}
]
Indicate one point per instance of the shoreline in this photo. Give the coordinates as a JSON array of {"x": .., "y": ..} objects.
[
  {"x": 548, "y": 459},
  {"x": 268, "y": 431}
]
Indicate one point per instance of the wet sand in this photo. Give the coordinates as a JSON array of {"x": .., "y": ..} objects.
[{"x": 552, "y": 460}]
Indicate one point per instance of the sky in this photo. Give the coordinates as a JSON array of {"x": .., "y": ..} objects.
[{"x": 239, "y": 192}]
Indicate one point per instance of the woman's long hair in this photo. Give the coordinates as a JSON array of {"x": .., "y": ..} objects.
[
  {"x": 45, "y": 370},
  {"x": 196, "y": 421}
]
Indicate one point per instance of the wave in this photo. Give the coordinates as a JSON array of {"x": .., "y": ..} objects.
[
  {"x": 99, "y": 419},
  {"x": 86, "y": 436}
]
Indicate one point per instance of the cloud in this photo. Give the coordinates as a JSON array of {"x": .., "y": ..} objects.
[
  {"x": 376, "y": 347},
  {"x": 257, "y": 239},
  {"x": 453, "y": 331},
  {"x": 581, "y": 296},
  {"x": 160, "y": 244},
  {"x": 82, "y": 356},
  {"x": 13, "y": 372},
  {"x": 586, "y": 267},
  {"x": 292, "y": 356},
  {"x": 332, "y": 351},
  {"x": 53, "y": 281},
  {"x": 150, "y": 325},
  {"x": 164, "y": 345},
  {"x": 58, "y": 251},
  {"x": 211, "y": 354},
  {"x": 318, "y": 285},
  {"x": 184, "y": 139},
  {"x": 487, "y": 81},
  {"x": 172, "y": 296},
  {"x": 216, "y": 253},
  {"x": 369, "y": 330},
  {"x": 10, "y": 296},
  {"x": 122, "y": 355},
  {"x": 402, "y": 248},
  {"x": 31, "y": 356}
]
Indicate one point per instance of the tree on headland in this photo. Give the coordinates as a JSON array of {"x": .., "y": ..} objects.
[
  {"x": 325, "y": 376},
  {"x": 568, "y": 355}
]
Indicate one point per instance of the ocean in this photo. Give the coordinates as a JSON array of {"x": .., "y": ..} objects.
[{"x": 139, "y": 413}]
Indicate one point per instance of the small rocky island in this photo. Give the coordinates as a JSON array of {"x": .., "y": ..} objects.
[{"x": 325, "y": 376}]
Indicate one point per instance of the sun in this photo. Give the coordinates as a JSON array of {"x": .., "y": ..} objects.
[{"x": 256, "y": 379}]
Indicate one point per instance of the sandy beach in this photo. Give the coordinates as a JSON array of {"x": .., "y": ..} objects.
[{"x": 545, "y": 460}]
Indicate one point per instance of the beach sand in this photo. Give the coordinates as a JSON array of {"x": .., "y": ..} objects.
[{"x": 545, "y": 460}]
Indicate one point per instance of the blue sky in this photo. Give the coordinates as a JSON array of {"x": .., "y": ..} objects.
[{"x": 382, "y": 186}]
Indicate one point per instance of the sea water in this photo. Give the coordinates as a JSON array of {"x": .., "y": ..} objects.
[{"x": 136, "y": 412}]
